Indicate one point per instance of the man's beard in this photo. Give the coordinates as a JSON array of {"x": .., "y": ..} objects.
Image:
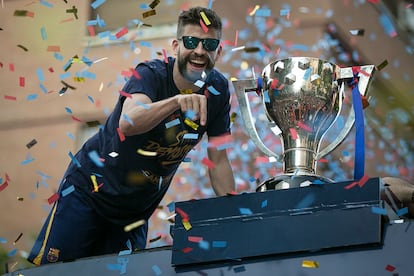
[{"x": 196, "y": 75}]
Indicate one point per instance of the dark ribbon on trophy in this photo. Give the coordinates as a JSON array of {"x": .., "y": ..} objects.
[{"x": 359, "y": 162}]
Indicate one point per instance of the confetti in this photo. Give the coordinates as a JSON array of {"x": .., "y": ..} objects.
[
  {"x": 22, "y": 47},
  {"x": 205, "y": 18},
  {"x": 194, "y": 239},
  {"x": 31, "y": 143},
  {"x": 245, "y": 211},
  {"x": 293, "y": 133},
  {"x": 378, "y": 210},
  {"x": 156, "y": 270},
  {"x": 148, "y": 13},
  {"x": 208, "y": 163},
  {"x": 186, "y": 224},
  {"x": 191, "y": 124},
  {"x": 154, "y": 4},
  {"x": 203, "y": 26},
  {"x": 146, "y": 153},
  {"x": 23, "y": 13},
  {"x": 310, "y": 264},
  {"x": 382, "y": 65},
  {"x": 120, "y": 134},
  {"x": 121, "y": 32},
  {"x": 97, "y": 3},
  {"x": 172, "y": 123},
  {"x": 93, "y": 155},
  {"x": 389, "y": 267},
  {"x": 68, "y": 190},
  {"x": 134, "y": 225},
  {"x": 219, "y": 244},
  {"x": 53, "y": 198},
  {"x": 4, "y": 186},
  {"x": 17, "y": 239}
]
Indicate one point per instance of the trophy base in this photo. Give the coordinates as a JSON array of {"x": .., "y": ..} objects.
[{"x": 287, "y": 181}]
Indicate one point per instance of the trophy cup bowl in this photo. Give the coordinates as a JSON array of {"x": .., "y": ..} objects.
[{"x": 302, "y": 98}]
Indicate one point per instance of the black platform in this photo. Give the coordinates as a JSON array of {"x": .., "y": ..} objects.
[{"x": 395, "y": 253}]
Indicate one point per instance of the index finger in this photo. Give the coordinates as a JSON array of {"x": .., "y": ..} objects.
[{"x": 203, "y": 110}]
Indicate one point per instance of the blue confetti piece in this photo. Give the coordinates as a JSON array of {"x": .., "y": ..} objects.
[
  {"x": 156, "y": 270},
  {"x": 190, "y": 114},
  {"x": 266, "y": 96},
  {"x": 114, "y": 267},
  {"x": 213, "y": 90},
  {"x": 171, "y": 206},
  {"x": 205, "y": 245},
  {"x": 307, "y": 74},
  {"x": 378, "y": 210},
  {"x": 91, "y": 22},
  {"x": 43, "y": 88},
  {"x": 58, "y": 56},
  {"x": 43, "y": 33},
  {"x": 93, "y": 155},
  {"x": 3, "y": 240},
  {"x": 245, "y": 211},
  {"x": 74, "y": 160},
  {"x": 306, "y": 201},
  {"x": 318, "y": 182},
  {"x": 187, "y": 159},
  {"x": 284, "y": 12},
  {"x": 129, "y": 120},
  {"x": 210, "y": 4},
  {"x": 64, "y": 75},
  {"x": 124, "y": 252},
  {"x": 191, "y": 136},
  {"x": 145, "y": 44},
  {"x": 89, "y": 75},
  {"x": 87, "y": 61},
  {"x": 263, "y": 12},
  {"x": 71, "y": 136},
  {"x": 68, "y": 190},
  {"x": 31, "y": 97},
  {"x": 12, "y": 253},
  {"x": 46, "y": 4},
  {"x": 97, "y": 3},
  {"x": 40, "y": 75},
  {"x": 219, "y": 244},
  {"x": 172, "y": 123},
  {"x": 387, "y": 25},
  {"x": 143, "y": 105},
  {"x": 27, "y": 161},
  {"x": 264, "y": 203},
  {"x": 144, "y": 6},
  {"x": 402, "y": 212},
  {"x": 68, "y": 110},
  {"x": 91, "y": 99},
  {"x": 43, "y": 175},
  {"x": 104, "y": 34}
]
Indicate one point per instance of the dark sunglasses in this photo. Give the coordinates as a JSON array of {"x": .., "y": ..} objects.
[{"x": 191, "y": 42}]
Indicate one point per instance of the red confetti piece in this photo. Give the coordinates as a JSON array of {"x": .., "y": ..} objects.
[
  {"x": 207, "y": 162},
  {"x": 203, "y": 26},
  {"x": 195, "y": 239},
  {"x": 389, "y": 268},
  {"x": 51, "y": 70},
  {"x": 53, "y": 48},
  {"x": 53, "y": 198},
  {"x": 219, "y": 141},
  {"x": 136, "y": 74},
  {"x": 12, "y": 98},
  {"x": 22, "y": 81},
  {"x": 293, "y": 133},
  {"x": 304, "y": 127},
  {"x": 164, "y": 54},
  {"x": 323, "y": 160},
  {"x": 76, "y": 119},
  {"x": 363, "y": 180},
  {"x": 183, "y": 214},
  {"x": 121, "y": 32},
  {"x": 4, "y": 186},
  {"x": 236, "y": 39},
  {"x": 91, "y": 30},
  {"x": 187, "y": 250},
  {"x": 120, "y": 134},
  {"x": 11, "y": 67},
  {"x": 125, "y": 94},
  {"x": 262, "y": 159},
  {"x": 273, "y": 85}
]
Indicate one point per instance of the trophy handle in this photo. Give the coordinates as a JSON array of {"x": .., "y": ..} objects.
[
  {"x": 241, "y": 89},
  {"x": 364, "y": 79}
]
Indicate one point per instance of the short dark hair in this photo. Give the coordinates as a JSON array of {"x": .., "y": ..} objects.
[{"x": 193, "y": 16}]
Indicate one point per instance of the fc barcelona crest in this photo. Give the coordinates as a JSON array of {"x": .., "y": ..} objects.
[{"x": 53, "y": 255}]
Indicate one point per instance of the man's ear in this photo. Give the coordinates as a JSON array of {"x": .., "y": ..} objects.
[
  {"x": 219, "y": 50},
  {"x": 175, "y": 45}
]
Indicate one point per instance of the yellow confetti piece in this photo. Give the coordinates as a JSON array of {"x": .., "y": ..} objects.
[
  {"x": 190, "y": 123},
  {"x": 146, "y": 153},
  {"x": 205, "y": 18},
  {"x": 186, "y": 91},
  {"x": 310, "y": 264},
  {"x": 254, "y": 10},
  {"x": 95, "y": 184},
  {"x": 78, "y": 79},
  {"x": 134, "y": 225},
  {"x": 186, "y": 224}
]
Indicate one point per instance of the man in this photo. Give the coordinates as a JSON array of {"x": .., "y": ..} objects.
[{"x": 121, "y": 174}]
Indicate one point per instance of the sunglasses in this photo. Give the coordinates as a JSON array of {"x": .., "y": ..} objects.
[{"x": 191, "y": 42}]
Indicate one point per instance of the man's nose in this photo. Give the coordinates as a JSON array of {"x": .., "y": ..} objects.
[{"x": 200, "y": 49}]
